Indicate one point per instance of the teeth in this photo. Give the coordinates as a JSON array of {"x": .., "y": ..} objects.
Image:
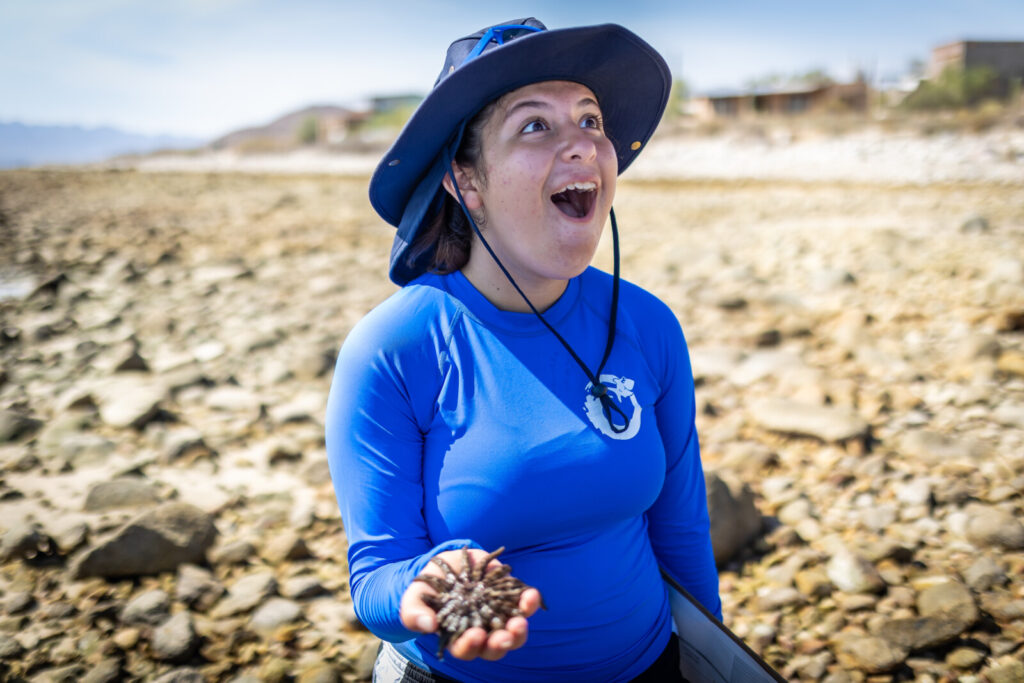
[{"x": 582, "y": 187}]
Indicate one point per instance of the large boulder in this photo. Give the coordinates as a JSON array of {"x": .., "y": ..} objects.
[
  {"x": 735, "y": 520},
  {"x": 156, "y": 541}
]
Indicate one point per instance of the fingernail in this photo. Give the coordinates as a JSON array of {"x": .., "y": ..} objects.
[
  {"x": 424, "y": 623},
  {"x": 504, "y": 643}
]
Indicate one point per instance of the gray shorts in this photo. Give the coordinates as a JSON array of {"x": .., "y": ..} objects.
[{"x": 392, "y": 667}]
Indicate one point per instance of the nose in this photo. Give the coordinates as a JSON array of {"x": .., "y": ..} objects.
[{"x": 580, "y": 145}]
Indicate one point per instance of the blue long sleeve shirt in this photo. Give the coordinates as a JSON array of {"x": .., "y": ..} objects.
[{"x": 451, "y": 422}]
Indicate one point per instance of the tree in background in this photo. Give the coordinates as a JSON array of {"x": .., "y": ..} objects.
[
  {"x": 309, "y": 131},
  {"x": 955, "y": 88}
]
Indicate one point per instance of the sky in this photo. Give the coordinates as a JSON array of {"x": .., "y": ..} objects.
[{"x": 202, "y": 68}]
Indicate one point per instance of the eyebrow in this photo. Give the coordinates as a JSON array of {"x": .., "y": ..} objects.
[{"x": 525, "y": 104}]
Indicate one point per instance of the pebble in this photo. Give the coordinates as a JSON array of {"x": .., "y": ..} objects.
[
  {"x": 128, "y": 492},
  {"x": 151, "y": 607},
  {"x": 852, "y": 573},
  {"x": 870, "y": 654},
  {"x": 830, "y": 424},
  {"x": 994, "y": 527},
  {"x": 274, "y": 613},
  {"x": 175, "y": 640}
]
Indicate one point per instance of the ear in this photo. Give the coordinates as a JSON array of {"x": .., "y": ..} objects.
[{"x": 467, "y": 186}]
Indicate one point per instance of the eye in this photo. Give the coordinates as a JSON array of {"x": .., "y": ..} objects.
[
  {"x": 591, "y": 121},
  {"x": 534, "y": 126}
]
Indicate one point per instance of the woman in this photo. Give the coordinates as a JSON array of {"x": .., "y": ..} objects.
[{"x": 509, "y": 394}]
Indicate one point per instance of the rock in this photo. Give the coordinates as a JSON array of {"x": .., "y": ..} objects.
[
  {"x": 10, "y": 648},
  {"x": 245, "y": 594},
  {"x": 965, "y": 658},
  {"x": 813, "y": 582},
  {"x": 951, "y": 599},
  {"x": 854, "y": 574},
  {"x": 302, "y": 587},
  {"x": 126, "y": 638},
  {"x": 183, "y": 675},
  {"x": 932, "y": 448},
  {"x": 151, "y": 607},
  {"x": 233, "y": 552},
  {"x": 770, "y": 598},
  {"x": 1011, "y": 362},
  {"x": 285, "y": 546},
  {"x": 870, "y": 654},
  {"x": 735, "y": 520},
  {"x": 71, "y": 673},
  {"x": 17, "y": 602},
  {"x": 72, "y": 537},
  {"x": 307, "y": 407},
  {"x": 197, "y": 588},
  {"x": 975, "y": 224},
  {"x": 1002, "y": 607},
  {"x": 317, "y": 472},
  {"x": 175, "y": 640},
  {"x": 1011, "y": 321},
  {"x": 158, "y": 540},
  {"x": 1005, "y": 671},
  {"x": 26, "y": 541},
  {"x": 274, "y": 613},
  {"x": 105, "y": 671},
  {"x": 984, "y": 573},
  {"x": 14, "y": 425},
  {"x": 320, "y": 673},
  {"x": 1010, "y": 414},
  {"x": 762, "y": 364},
  {"x": 994, "y": 527},
  {"x": 918, "y": 633},
  {"x": 184, "y": 443},
  {"x": 129, "y": 401},
  {"x": 826, "y": 423},
  {"x": 126, "y": 492},
  {"x": 310, "y": 364}
]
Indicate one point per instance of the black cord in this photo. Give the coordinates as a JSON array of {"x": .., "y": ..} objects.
[{"x": 597, "y": 388}]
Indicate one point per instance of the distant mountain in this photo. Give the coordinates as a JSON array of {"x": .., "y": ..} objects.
[
  {"x": 285, "y": 131},
  {"x": 28, "y": 145}
]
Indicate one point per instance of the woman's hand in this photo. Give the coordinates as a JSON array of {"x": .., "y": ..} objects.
[{"x": 475, "y": 642}]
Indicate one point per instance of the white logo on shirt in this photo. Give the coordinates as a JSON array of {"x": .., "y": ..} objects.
[{"x": 620, "y": 388}]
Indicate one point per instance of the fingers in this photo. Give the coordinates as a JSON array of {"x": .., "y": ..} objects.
[
  {"x": 529, "y": 602},
  {"x": 414, "y": 613},
  {"x": 476, "y": 643}
]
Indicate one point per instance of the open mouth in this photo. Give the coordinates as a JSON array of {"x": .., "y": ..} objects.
[{"x": 576, "y": 200}]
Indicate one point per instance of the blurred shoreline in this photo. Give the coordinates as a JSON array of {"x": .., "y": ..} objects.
[{"x": 863, "y": 155}]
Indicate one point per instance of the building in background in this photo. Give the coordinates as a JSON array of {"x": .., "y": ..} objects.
[
  {"x": 1005, "y": 58},
  {"x": 787, "y": 99}
]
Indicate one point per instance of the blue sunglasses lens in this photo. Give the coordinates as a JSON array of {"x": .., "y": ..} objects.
[{"x": 500, "y": 34}]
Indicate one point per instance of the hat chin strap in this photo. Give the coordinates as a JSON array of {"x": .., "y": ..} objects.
[{"x": 597, "y": 388}]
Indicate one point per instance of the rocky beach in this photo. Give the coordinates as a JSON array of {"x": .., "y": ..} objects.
[{"x": 855, "y": 316}]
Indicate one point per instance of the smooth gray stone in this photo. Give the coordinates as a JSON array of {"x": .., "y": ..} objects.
[
  {"x": 124, "y": 492},
  {"x": 175, "y": 640},
  {"x": 158, "y": 540},
  {"x": 826, "y": 423},
  {"x": 735, "y": 519}
]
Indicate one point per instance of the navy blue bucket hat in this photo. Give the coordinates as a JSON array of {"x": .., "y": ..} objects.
[{"x": 629, "y": 78}]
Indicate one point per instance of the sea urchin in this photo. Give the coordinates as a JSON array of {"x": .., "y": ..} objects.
[{"x": 476, "y": 595}]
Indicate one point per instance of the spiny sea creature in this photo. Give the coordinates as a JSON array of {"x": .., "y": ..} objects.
[{"x": 476, "y": 595}]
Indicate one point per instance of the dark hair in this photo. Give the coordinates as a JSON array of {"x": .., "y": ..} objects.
[{"x": 449, "y": 232}]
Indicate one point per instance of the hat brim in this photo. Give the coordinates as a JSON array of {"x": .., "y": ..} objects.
[{"x": 629, "y": 78}]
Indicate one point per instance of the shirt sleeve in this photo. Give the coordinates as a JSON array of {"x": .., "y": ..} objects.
[
  {"x": 678, "y": 521},
  {"x": 374, "y": 449}
]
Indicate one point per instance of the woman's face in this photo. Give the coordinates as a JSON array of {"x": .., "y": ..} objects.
[{"x": 546, "y": 186}]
